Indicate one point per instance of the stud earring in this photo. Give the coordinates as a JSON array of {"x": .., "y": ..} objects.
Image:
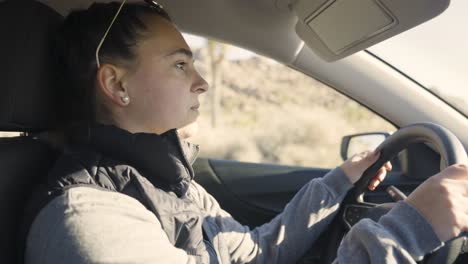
[{"x": 125, "y": 99}]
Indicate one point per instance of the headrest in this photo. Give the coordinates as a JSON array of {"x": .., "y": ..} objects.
[{"x": 27, "y": 81}]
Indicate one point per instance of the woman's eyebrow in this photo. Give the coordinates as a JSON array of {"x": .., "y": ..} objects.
[{"x": 183, "y": 51}]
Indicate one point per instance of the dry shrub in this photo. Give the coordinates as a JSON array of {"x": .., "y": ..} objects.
[{"x": 226, "y": 143}]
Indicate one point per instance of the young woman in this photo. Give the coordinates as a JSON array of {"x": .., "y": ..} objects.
[{"x": 124, "y": 190}]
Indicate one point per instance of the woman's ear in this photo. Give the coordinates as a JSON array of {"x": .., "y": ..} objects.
[{"x": 109, "y": 82}]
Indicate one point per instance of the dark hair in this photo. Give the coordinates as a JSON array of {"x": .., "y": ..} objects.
[{"x": 76, "y": 45}]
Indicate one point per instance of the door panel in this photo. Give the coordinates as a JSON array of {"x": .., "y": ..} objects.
[{"x": 264, "y": 185}]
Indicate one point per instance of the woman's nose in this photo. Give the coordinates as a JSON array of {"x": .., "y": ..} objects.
[{"x": 200, "y": 85}]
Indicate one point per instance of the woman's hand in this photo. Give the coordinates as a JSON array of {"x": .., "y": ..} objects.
[
  {"x": 443, "y": 201},
  {"x": 355, "y": 166}
]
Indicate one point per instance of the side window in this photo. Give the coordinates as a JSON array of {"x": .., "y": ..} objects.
[{"x": 257, "y": 110}]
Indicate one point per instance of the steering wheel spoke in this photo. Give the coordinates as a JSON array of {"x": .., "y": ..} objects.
[{"x": 353, "y": 213}]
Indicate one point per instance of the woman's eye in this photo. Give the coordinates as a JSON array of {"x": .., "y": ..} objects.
[{"x": 181, "y": 65}]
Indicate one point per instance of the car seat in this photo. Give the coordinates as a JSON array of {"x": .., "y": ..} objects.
[{"x": 27, "y": 105}]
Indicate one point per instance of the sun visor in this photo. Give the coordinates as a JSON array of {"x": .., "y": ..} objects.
[{"x": 334, "y": 29}]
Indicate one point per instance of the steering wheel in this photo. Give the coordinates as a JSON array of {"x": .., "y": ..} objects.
[{"x": 353, "y": 208}]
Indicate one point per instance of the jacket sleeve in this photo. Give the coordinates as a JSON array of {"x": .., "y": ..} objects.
[
  {"x": 401, "y": 236},
  {"x": 86, "y": 225},
  {"x": 291, "y": 233}
]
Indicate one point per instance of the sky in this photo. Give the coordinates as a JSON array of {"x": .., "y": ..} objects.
[{"x": 434, "y": 53}]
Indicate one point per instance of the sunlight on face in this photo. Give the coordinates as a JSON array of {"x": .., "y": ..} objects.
[{"x": 165, "y": 87}]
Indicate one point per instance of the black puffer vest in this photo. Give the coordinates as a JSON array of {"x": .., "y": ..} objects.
[{"x": 154, "y": 169}]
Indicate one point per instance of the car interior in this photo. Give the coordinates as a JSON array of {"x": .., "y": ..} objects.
[{"x": 298, "y": 34}]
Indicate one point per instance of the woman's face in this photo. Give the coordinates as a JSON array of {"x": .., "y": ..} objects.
[{"x": 164, "y": 87}]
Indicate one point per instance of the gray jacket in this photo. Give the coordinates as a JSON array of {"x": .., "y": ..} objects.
[{"x": 104, "y": 211}]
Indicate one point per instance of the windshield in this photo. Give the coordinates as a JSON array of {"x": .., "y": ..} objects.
[{"x": 435, "y": 54}]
